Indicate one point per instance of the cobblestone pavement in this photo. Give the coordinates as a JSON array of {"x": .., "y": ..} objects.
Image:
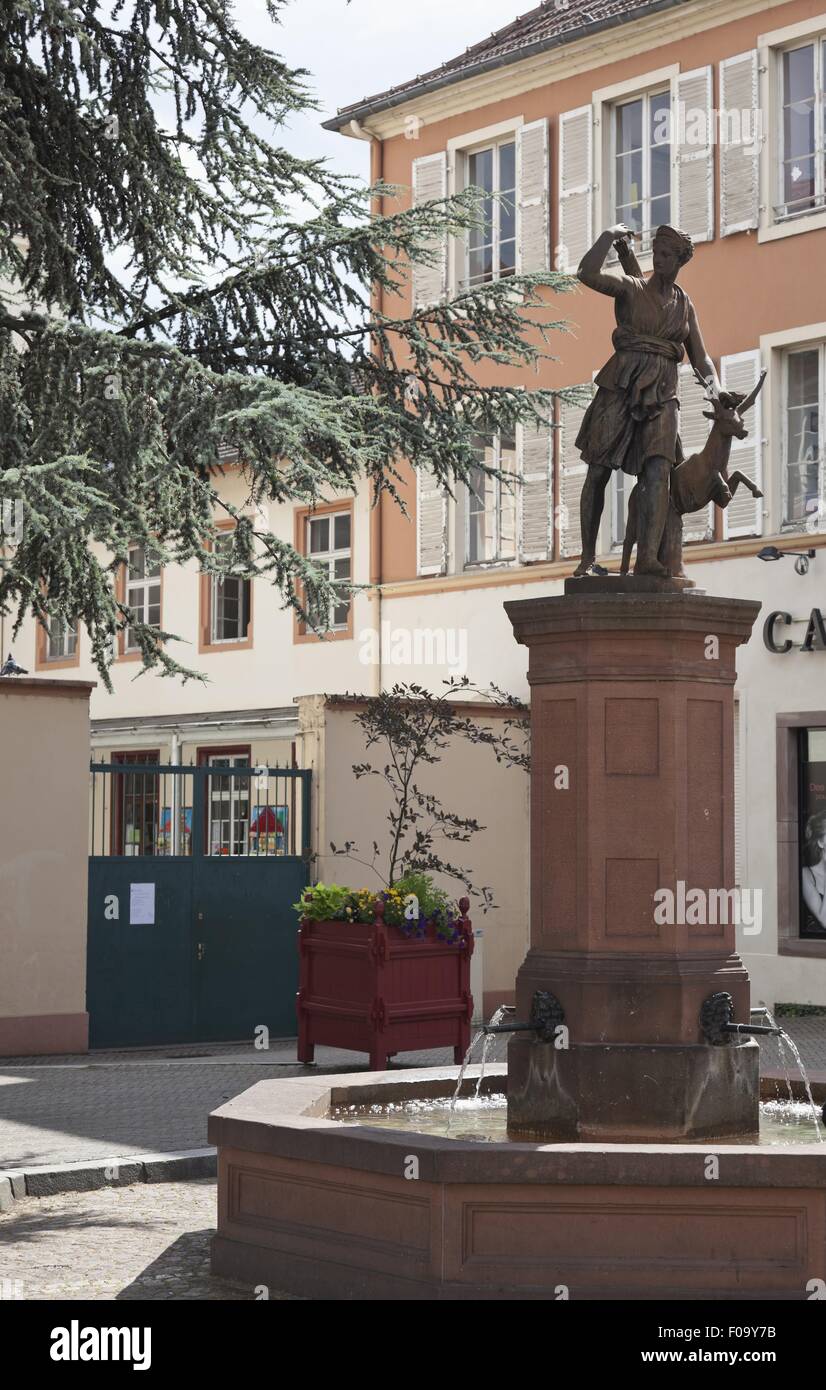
[
  {"x": 60, "y": 1110},
  {"x": 156, "y": 1100},
  {"x": 148, "y": 1242}
]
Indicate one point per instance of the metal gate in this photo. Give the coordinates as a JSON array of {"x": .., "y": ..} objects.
[{"x": 192, "y": 875}]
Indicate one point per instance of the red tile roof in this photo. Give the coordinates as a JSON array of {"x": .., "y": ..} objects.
[{"x": 547, "y": 26}]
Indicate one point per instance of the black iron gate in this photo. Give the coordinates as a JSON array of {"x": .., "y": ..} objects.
[{"x": 192, "y": 875}]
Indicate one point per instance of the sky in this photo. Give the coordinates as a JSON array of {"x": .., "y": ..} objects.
[{"x": 356, "y": 49}]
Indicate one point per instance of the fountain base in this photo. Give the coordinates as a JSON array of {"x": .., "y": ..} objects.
[
  {"x": 632, "y": 1093},
  {"x": 314, "y": 1207}
]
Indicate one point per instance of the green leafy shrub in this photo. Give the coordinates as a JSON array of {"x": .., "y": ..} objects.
[
  {"x": 330, "y": 902},
  {"x": 324, "y": 902}
]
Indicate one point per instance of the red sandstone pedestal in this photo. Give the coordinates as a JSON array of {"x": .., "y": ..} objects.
[{"x": 632, "y": 791}]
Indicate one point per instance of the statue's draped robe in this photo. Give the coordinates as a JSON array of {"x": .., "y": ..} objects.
[{"x": 635, "y": 413}]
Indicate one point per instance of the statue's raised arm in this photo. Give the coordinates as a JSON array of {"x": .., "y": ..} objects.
[{"x": 590, "y": 270}]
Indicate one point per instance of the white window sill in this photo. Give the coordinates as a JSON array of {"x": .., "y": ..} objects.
[
  {"x": 474, "y": 566},
  {"x": 809, "y": 222}
]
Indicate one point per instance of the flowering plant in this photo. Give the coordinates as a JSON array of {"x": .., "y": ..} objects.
[{"x": 411, "y": 904}]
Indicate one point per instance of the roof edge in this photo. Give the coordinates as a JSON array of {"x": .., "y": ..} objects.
[{"x": 386, "y": 101}]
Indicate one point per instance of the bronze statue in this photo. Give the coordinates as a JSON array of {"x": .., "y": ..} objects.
[
  {"x": 700, "y": 479},
  {"x": 632, "y": 422}
]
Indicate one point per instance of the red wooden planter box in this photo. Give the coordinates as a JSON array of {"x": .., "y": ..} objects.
[{"x": 366, "y": 987}]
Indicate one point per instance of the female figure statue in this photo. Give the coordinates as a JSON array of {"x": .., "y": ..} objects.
[{"x": 632, "y": 422}]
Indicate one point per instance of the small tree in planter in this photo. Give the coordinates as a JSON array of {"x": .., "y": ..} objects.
[
  {"x": 398, "y": 976},
  {"x": 414, "y": 728}
]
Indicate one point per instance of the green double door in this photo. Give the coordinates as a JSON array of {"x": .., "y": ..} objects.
[{"x": 191, "y": 948}]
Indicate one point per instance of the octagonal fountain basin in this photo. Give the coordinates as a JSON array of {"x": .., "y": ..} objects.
[{"x": 321, "y": 1196}]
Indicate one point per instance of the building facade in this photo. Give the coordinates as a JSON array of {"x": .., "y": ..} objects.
[{"x": 707, "y": 116}]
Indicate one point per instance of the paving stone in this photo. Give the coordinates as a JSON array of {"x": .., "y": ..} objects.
[
  {"x": 181, "y": 1167},
  {"x": 6, "y": 1195},
  {"x": 147, "y": 1242},
  {"x": 81, "y": 1177}
]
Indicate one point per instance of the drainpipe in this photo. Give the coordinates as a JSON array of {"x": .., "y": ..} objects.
[
  {"x": 174, "y": 759},
  {"x": 376, "y": 511}
]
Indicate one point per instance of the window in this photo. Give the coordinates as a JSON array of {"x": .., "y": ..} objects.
[
  {"x": 229, "y": 607},
  {"x": 491, "y": 504},
  {"x": 328, "y": 545},
  {"x": 228, "y": 805},
  {"x": 804, "y": 389},
  {"x": 642, "y": 163},
  {"x": 491, "y": 248},
  {"x": 61, "y": 640},
  {"x": 135, "y": 805},
  {"x": 812, "y": 832},
  {"x": 143, "y": 591},
  {"x": 803, "y": 125}
]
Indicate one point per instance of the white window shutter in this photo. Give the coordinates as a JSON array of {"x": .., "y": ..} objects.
[
  {"x": 576, "y": 186},
  {"x": 431, "y": 523},
  {"x": 429, "y": 183},
  {"x": 744, "y": 514},
  {"x": 534, "y": 212},
  {"x": 535, "y": 443},
  {"x": 572, "y": 470},
  {"x": 739, "y": 145},
  {"x": 697, "y": 526},
  {"x": 692, "y": 117}
]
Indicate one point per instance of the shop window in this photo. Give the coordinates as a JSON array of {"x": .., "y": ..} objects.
[{"x": 812, "y": 832}]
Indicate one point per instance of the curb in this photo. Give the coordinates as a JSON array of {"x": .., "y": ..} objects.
[{"x": 121, "y": 1170}]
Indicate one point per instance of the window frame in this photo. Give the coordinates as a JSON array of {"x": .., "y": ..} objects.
[
  {"x": 817, "y": 41},
  {"x": 132, "y": 763},
  {"x": 499, "y": 561},
  {"x": 797, "y": 525},
  {"x": 207, "y": 643},
  {"x": 770, "y": 48},
  {"x": 495, "y": 144},
  {"x": 603, "y": 102},
  {"x": 303, "y": 515},
  {"x": 204, "y": 757},
  {"x": 64, "y": 661},
  {"x": 787, "y": 727},
  {"x": 643, "y": 244},
  {"x": 458, "y": 148},
  {"x": 124, "y": 652}
]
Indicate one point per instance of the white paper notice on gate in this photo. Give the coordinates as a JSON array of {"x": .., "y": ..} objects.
[{"x": 141, "y": 904}]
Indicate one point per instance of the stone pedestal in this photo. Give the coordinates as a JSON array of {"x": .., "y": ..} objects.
[{"x": 632, "y": 793}]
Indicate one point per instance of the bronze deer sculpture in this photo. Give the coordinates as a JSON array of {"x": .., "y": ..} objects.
[{"x": 702, "y": 478}]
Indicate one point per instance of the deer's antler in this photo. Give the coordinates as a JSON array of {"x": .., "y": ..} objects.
[{"x": 748, "y": 401}]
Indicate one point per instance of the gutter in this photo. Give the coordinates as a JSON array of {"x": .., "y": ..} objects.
[
  {"x": 102, "y": 731},
  {"x": 357, "y": 113}
]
